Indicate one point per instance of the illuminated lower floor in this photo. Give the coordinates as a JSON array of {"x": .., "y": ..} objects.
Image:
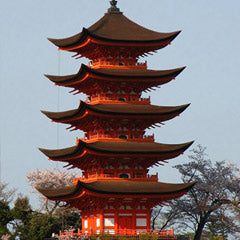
[{"x": 122, "y": 221}]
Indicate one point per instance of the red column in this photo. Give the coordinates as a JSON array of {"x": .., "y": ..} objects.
[
  {"x": 115, "y": 172},
  {"x": 101, "y": 221},
  {"x": 116, "y": 221},
  {"x": 131, "y": 173},
  {"x": 148, "y": 221},
  {"x": 94, "y": 223},
  {"x": 134, "y": 221},
  {"x": 88, "y": 222}
]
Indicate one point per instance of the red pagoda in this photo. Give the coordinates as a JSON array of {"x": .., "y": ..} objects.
[{"x": 115, "y": 193}]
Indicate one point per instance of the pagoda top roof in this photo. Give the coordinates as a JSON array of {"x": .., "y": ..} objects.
[
  {"x": 107, "y": 147},
  {"x": 117, "y": 109},
  {"x": 117, "y": 188},
  {"x": 132, "y": 74},
  {"x": 115, "y": 27}
]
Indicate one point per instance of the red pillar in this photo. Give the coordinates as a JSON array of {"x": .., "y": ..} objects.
[
  {"x": 101, "y": 221},
  {"x": 134, "y": 221},
  {"x": 116, "y": 221},
  {"x": 148, "y": 221}
]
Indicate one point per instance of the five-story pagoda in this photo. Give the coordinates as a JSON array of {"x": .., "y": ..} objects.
[{"x": 115, "y": 193}]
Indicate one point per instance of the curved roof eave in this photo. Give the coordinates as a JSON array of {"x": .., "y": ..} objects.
[
  {"x": 119, "y": 109},
  {"x": 117, "y": 188},
  {"x": 116, "y": 73},
  {"x": 62, "y": 79},
  {"x": 146, "y": 148},
  {"x": 85, "y": 36},
  {"x": 115, "y": 28},
  {"x": 67, "y": 114}
]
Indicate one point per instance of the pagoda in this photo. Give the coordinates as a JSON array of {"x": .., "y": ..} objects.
[{"x": 115, "y": 193}]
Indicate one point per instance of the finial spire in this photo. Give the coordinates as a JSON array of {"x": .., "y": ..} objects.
[{"x": 113, "y": 8}]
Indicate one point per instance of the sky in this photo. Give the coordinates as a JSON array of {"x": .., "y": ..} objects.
[{"x": 208, "y": 45}]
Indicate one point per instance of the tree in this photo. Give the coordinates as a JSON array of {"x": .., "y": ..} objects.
[
  {"x": 22, "y": 215},
  {"x": 29, "y": 224},
  {"x": 50, "y": 178},
  {"x": 42, "y": 226},
  {"x": 211, "y": 199},
  {"x": 6, "y": 195},
  {"x": 161, "y": 218},
  {"x": 6, "y": 217},
  {"x": 69, "y": 218},
  {"x": 35, "y": 225},
  {"x": 22, "y": 209}
]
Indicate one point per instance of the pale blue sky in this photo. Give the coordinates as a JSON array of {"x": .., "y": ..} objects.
[{"x": 208, "y": 46}]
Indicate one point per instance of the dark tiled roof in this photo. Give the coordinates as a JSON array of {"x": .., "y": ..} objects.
[
  {"x": 137, "y": 147},
  {"x": 139, "y": 73},
  {"x": 118, "y": 188},
  {"x": 118, "y": 109},
  {"x": 132, "y": 74},
  {"x": 108, "y": 147},
  {"x": 115, "y": 27}
]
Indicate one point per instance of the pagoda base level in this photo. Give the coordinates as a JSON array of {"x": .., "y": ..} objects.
[
  {"x": 118, "y": 221},
  {"x": 131, "y": 234}
]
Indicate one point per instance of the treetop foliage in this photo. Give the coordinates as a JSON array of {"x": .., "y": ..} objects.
[
  {"x": 53, "y": 179},
  {"x": 212, "y": 206},
  {"x": 211, "y": 199},
  {"x": 6, "y": 195}
]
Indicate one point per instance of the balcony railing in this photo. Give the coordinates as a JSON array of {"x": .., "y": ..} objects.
[
  {"x": 111, "y": 137},
  {"x": 111, "y": 177},
  {"x": 116, "y": 100},
  {"x": 129, "y": 233},
  {"x": 121, "y": 63}
]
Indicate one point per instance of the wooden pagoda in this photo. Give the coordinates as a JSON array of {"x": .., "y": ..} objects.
[{"x": 115, "y": 193}]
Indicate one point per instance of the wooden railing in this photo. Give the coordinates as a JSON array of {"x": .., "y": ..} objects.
[
  {"x": 93, "y": 100},
  {"x": 118, "y": 63},
  {"x": 110, "y": 177},
  {"x": 145, "y": 138},
  {"x": 129, "y": 233}
]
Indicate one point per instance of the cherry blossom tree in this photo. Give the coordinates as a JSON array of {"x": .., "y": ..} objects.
[
  {"x": 51, "y": 179},
  {"x": 211, "y": 202}
]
